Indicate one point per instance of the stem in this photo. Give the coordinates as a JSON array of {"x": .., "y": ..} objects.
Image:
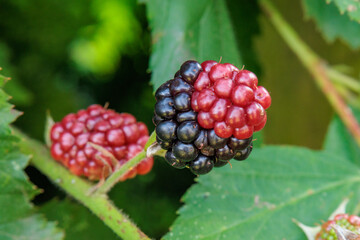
[
  {"x": 339, "y": 77},
  {"x": 114, "y": 177},
  {"x": 347, "y": 95},
  {"x": 315, "y": 66},
  {"x": 78, "y": 188}
]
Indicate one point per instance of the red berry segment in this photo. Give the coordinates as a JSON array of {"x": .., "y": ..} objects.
[
  {"x": 205, "y": 120},
  {"x": 243, "y": 132},
  {"x": 219, "y": 71},
  {"x": 235, "y": 117},
  {"x": 67, "y": 140},
  {"x": 56, "y": 151},
  {"x": 131, "y": 133},
  {"x": 206, "y": 99},
  {"x": 255, "y": 113},
  {"x": 118, "y": 134},
  {"x": 242, "y": 95},
  {"x": 207, "y": 65},
  {"x": 245, "y": 77},
  {"x": 115, "y": 137},
  {"x": 97, "y": 138},
  {"x": 223, "y": 87},
  {"x": 202, "y": 82},
  {"x": 261, "y": 125},
  {"x": 223, "y": 130},
  {"x": 56, "y": 131},
  {"x": 232, "y": 97},
  {"x": 262, "y": 96},
  {"x": 219, "y": 109},
  {"x": 145, "y": 166},
  {"x": 232, "y": 68},
  {"x": 194, "y": 102}
]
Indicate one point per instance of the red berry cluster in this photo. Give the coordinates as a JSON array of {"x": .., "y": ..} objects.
[
  {"x": 350, "y": 222},
  {"x": 119, "y": 136},
  {"x": 229, "y": 101}
]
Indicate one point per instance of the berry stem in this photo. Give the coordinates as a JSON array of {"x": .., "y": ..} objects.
[
  {"x": 114, "y": 177},
  {"x": 78, "y": 188},
  {"x": 321, "y": 72}
]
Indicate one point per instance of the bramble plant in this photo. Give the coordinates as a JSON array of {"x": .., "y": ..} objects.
[{"x": 207, "y": 118}]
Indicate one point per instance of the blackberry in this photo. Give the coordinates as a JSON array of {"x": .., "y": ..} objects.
[{"x": 206, "y": 115}]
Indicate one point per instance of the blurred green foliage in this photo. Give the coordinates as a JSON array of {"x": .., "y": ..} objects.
[{"x": 99, "y": 47}]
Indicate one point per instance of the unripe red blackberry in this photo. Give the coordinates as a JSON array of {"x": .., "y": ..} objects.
[
  {"x": 207, "y": 114},
  {"x": 92, "y": 142}
]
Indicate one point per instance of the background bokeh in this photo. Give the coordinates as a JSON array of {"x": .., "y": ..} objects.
[{"x": 65, "y": 55}]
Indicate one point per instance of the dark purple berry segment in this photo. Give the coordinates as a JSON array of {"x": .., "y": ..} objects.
[
  {"x": 173, "y": 161},
  {"x": 201, "y": 165},
  {"x": 166, "y": 130},
  {"x": 163, "y": 91},
  {"x": 185, "y": 152},
  {"x": 164, "y": 108},
  {"x": 188, "y": 131},
  {"x": 188, "y": 144},
  {"x": 164, "y": 144},
  {"x": 218, "y": 163},
  {"x": 242, "y": 154},
  {"x": 215, "y": 141},
  {"x": 182, "y": 102},
  {"x": 190, "y": 70},
  {"x": 225, "y": 153},
  {"x": 186, "y": 116},
  {"x": 238, "y": 144}
]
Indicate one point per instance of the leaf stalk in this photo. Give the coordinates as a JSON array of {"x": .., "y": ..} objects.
[{"x": 321, "y": 72}]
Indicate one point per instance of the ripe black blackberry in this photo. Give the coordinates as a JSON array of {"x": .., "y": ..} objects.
[{"x": 178, "y": 131}]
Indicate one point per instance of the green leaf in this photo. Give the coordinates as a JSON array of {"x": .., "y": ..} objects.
[
  {"x": 340, "y": 142},
  {"x": 17, "y": 218},
  {"x": 183, "y": 30},
  {"x": 331, "y": 23},
  {"x": 31, "y": 228},
  {"x": 351, "y": 7},
  {"x": 258, "y": 198}
]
